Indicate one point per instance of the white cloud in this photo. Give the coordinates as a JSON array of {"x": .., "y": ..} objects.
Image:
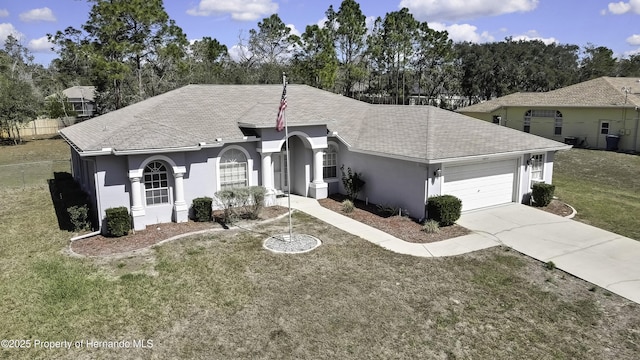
[
  {"x": 239, "y": 52},
  {"x": 453, "y": 10},
  {"x": 4, "y": 13},
  {"x": 622, "y": 7},
  {"x": 631, "y": 53},
  {"x": 240, "y": 10},
  {"x": 633, "y": 40},
  {"x": 7, "y": 29},
  {"x": 41, "y": 14},
  {"x": 294, "y": 31},
  {"x": 533, "y": 35},
  {"x": 463, "y": 32},
  {"x": 41, "y": 45}
]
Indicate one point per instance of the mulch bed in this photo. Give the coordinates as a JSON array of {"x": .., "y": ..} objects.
[
  {"x": 102, "y": 245},
  {"x": 557, "y": 207},
  {"x": 402, "y": 227}
]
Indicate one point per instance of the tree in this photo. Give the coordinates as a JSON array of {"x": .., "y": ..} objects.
[
  {"x": 128, "y": 45},
  {"x": 207, "y": 60},
  {"x": 629, "y": 67},
  {"x": 18, "y": 101},
  {"x": 433, "y": 62},
  {"x": 316, "y": 63},
  {"x": 272, "y": 46},
  {"x": 348, "y": 29},
  {"x": 597, "y": 62}
]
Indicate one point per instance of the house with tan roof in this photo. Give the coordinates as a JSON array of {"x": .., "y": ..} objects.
[
  {"x": 602, "y": 113},
  {"x": 156, "y": 156}
]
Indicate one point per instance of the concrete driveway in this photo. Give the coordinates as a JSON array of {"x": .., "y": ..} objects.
[{"x": 603, "y": 258}]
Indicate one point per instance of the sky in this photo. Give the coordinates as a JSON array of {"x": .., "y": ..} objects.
[{"x": 615, "y": 25}]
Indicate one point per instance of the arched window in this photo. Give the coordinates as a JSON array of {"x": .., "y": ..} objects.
[
  {"x": 330, "y": 162},
  {"x": 233, "y": 169},
  {"x": 156, "y": 183}
]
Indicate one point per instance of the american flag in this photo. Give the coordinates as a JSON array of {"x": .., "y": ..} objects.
[{"x": 283, "y": 106}]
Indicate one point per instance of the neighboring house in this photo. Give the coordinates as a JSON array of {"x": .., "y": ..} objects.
[
  {"x": 156, "y": 156},
  {"x": 602, "y": 113},
  {"x": 82, "y": 98}
]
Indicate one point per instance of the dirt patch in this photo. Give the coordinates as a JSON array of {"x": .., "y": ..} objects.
[
  {"x": 402, "y": 227},
  {"x": 102, "y": 245}
]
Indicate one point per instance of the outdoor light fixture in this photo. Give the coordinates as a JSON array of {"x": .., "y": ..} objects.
[
  {"x": 530, "y": 161},
  {"x": 437, "y": 173}
]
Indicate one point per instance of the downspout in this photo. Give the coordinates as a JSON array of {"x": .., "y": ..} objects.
[
  {"x": 637, "y": 129},
  {"x": 98, "y": 207}
]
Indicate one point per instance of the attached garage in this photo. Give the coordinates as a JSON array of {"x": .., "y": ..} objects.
[{"x": 481, "y": 184}]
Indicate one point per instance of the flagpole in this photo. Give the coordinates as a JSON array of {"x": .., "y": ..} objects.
[{"x": 286, "y": 137}]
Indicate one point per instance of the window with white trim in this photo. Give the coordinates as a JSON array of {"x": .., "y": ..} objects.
[
  {"x": 537, "y": 168},
  {"x": 156, "y": 183},
  {"x": 330, "y": 162},
  {"x": 233, "y": 170},
  {"x": 604, "y": 128}
]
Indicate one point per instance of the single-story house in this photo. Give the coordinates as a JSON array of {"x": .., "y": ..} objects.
[
  {"x": 82, "y": 98},
  {"x": 156, "y": 156},
  {"x": 602, "y": 113}
]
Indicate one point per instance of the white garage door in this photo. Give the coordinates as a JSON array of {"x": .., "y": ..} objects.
[{"x": 482, "y": 184}]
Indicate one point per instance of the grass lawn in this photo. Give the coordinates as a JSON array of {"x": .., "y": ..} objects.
[
  {"x": 603, "y": 186},
  {"x": 222, "y": 296}
]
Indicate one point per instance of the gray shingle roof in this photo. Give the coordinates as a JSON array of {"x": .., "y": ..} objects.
[
  {"x": 201, "y": 113},
  {"x": 80, "y": 92},
  {"x": 600, "y": 92}
]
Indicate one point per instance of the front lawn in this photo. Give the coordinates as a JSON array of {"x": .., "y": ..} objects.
[
  {"x": 603, "y": 186},
  {"x": 223, "y": 296}
]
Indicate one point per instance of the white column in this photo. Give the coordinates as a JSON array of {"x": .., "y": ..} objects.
[
  {"x": 318, "y": 163},
  {"x": 180, "y": 208},
  {"x": 179, "y": 182},
  {"x": 137, "y": 209},
  {"x": 267, "y": 171},
  {"x": 318, "y": 188}
]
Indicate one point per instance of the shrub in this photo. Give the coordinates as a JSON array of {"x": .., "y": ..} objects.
[
  {"x": 202, "y": 208},
  {"x": 550, "y": 265},
  {"x": 387, "y": 210},
  {"x": 244, "y": 202},
  {"x": 227, "y": 200},
  {"x": 542, "y": 193},
  {"x": 347, "y": 206},
  {"x": 79, "y": 217},
  {"x": 352, "y": 182},
  {"x": 445, "y": 209},
  {"x": 118, "y": 221},
  {"x": 257, "y": 194},
  {"x": 431, "y": 227}
]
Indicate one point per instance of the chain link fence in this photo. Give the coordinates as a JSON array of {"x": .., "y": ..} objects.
[{"x": 31, "y": 173}]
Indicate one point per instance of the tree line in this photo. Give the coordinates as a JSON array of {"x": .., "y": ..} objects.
[{"x": 132, "y": 50}]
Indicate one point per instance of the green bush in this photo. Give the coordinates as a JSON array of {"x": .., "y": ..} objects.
[
  {"x": 542, "y": 193},
  {"x": 202, "y": 208},
  {"x": 431, "y": 227},
  {"x": 445, "y": 209},
  {"x": 352, "y": 182},
  {"x": 79, "y": 217},
  {"x": 347, "y": 206},
  {"x": 118, "y": 221},
  {"x": 243, "y": 202}
]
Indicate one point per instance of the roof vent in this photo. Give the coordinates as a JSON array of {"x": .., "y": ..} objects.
[{"x": 202, "y": 143}]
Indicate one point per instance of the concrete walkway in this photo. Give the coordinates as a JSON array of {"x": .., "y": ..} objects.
[
  {"x": 603, "y": 258},
  {"x": 450, "y": 247}
]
